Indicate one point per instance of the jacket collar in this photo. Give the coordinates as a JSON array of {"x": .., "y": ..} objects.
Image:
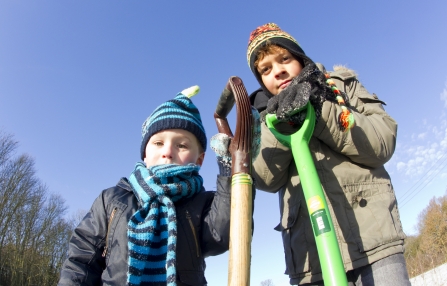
[
  {"x": 124, "y": 184},
  {"x": 259, "y": 99}
]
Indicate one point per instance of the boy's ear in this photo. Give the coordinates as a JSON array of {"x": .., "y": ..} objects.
[{"x": 200, "y": 159}]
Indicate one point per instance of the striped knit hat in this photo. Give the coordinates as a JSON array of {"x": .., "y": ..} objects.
[
  {"x": 177, "y": 113},
  {"x": 272, "y": 34}
]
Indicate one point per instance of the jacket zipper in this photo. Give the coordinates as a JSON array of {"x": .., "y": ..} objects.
[
  {"x": 112, "y": 215},
  {"x": 188, "y": 216}
]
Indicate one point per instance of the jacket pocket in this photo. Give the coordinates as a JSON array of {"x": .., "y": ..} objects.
[
  {"x": 195, "y": 236},
  {"x": 369, "y": 98},
  {"x": 293, "y": 231},
  {"x": 189, "y": 255},
  {"x": 288, "y": 217},
  {"x": 372, "y": 215},
  {"x": 115, "y": 210},
  {"x": 366, "y": 103}
]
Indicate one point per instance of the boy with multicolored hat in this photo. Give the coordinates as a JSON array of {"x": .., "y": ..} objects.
[
  {"x": 157, "y": 226},
  {"x": 353, "y": 138}
]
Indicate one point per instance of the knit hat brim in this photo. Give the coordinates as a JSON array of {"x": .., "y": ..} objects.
[
  {"x": 178, "y": 113},
  {"x": 174, "y": 124}
]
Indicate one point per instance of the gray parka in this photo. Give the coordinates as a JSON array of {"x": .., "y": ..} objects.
[
  {"x": 97, "y": 253},
  {"x": 358, "y": 189}
]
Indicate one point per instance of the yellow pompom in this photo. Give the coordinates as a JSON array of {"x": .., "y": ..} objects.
[{"x": 191, "y": 91}]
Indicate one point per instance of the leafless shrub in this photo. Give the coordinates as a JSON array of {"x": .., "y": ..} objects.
[{"x": 428, "y": 249}]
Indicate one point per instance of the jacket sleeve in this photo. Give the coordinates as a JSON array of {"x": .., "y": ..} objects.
[
  {"x": 216, "y": 220},
  {"x": 270, "y": 168},
  {"x": 372, "y": 141},
  {"x": 84, "y": 264}
]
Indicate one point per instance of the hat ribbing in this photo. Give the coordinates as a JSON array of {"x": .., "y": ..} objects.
[
  {"x": 177, "y": 113},
  {"x": 271, "y": 32}
]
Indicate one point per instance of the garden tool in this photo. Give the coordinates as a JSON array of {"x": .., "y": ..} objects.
[
  {"x": 241, "y": 186},
  {"x": 323, "y": 228}
]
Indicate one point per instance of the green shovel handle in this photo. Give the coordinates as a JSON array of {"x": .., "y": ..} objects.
[{"x": 327, "y": 245}]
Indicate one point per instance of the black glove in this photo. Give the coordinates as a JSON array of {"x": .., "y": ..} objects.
[{"x": 310, "y": 84}]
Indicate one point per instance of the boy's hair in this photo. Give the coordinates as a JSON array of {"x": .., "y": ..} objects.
[
  {"x": 271, "y": 49},
  {"x": 267, "y": 49},
  {"x": 271, "y": 34},
  {"x": 177, "y": 113}
]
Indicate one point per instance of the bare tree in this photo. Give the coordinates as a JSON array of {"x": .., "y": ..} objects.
[
  {"x": 33, "y": 231},
  {"x": 77, "y": 217}
]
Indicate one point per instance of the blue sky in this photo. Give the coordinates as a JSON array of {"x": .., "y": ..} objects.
[{"x": 78, "y": 78}]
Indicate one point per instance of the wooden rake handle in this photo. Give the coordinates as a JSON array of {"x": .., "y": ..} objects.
[{"x": 241, "y": 186}]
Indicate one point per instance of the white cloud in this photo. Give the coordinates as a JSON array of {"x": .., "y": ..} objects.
[
  {"x": 415, "y": 160},
  {"x": 443, "y": 142},
  {"x": 426, "y": 152},
  {"x": 422, "y": 135}
]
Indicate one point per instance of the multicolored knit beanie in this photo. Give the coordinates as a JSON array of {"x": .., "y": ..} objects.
[
  {"x": 272, "y": 33},
  {"x": 296, "y": 95},
  {"x": 177, "y": 113}
]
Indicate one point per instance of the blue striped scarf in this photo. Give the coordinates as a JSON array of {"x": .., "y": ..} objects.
[{"x": 152, "y": 230}]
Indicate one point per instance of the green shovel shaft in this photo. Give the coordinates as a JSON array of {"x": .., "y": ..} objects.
[
  {"x": 325, "y": 238},
  {"x": 322, "y": 225}
]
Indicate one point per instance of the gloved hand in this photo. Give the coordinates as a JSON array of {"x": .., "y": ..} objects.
[
  {"x": 310, "y": 84},
  {"x": 220, "y": 143}
]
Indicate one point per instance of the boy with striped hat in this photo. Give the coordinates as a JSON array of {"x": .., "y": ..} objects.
[{"x": 157, "y": 226}]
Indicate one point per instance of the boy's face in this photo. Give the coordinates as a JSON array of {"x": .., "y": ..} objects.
[
  {"x": 277, "y": 70},
  {"x": 173, "y": 146}
]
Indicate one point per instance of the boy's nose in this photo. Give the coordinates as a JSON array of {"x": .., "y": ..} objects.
[
  {"x": 278, "y": 70},
  {"x": 167, "y": 151}
]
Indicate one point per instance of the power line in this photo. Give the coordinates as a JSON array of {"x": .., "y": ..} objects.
[
  {"x": 420, "y": 181},
  {"x": 424, "y": 181}
]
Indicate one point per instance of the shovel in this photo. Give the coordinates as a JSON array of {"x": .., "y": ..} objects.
[
  {"x": 241, "y": 184},
  {"x": 327, "y": 245}
]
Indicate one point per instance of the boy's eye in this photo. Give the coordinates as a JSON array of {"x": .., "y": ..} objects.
[
  {"x": 158, "y": 143},
  {"x": 182, "y": 146},
  {"x": 285, "y": 58},
  {"x": 264, "y": 70}
]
